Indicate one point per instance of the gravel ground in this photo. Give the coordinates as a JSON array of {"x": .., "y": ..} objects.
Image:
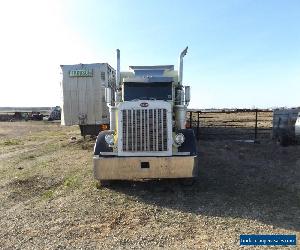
[{"x": 49, "y": 199}]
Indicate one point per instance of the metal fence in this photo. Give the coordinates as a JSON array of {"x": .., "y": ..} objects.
[{"x": 236, "y": 124}]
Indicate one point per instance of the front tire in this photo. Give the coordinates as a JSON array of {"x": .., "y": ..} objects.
[
  {"x": 283, "y": 140},
  {"x": 101, "y": 145},
  {"x": 103, "y": 183},
  {"x": 190, "y": 142}
]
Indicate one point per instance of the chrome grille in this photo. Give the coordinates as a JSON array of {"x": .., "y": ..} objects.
[{"x": 144, "y": 130}]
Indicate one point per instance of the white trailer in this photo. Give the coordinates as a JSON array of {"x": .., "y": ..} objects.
[
  {"x": 286, "y": 125},
  {"x": 83, "y": 96},
  {"x": 297, "y": 128}
]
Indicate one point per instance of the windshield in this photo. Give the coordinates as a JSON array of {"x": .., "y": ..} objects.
[{"x": 147, "y": 91}]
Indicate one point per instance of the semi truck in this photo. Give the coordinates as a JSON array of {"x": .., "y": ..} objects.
[{"x": 148, "y": 138}]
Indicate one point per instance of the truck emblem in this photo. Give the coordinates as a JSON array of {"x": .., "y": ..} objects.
[{"x": 144, "y": 104}]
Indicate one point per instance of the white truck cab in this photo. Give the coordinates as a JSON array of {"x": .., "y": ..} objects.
[{"x": 148, "y": 137}]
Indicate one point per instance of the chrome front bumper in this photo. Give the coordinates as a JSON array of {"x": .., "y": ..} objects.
[{"x": 129, "y": 168}]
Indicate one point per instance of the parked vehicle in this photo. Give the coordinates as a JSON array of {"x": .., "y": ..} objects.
[
  {"x": 148, "y": 137},
  {"x": 55, "y": 114},
  {"x": 297, "y": 128},
  {"x": 286, "y": 124}
]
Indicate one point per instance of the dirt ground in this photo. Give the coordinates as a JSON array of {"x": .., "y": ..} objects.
[{"x": 49, "y": 198}]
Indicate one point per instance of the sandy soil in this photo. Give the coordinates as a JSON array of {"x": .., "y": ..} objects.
[{"x": 49, "y": 198}]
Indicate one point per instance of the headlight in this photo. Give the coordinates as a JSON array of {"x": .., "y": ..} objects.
[
  {"x": 110, "y": 139},
  {"x": 179, "y": 139}
]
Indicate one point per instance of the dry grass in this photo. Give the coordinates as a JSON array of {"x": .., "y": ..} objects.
[
  {"x": 232, "y": 125},
  {"x": 49, "y": 199},
  {"x": 241, "y": 119}
]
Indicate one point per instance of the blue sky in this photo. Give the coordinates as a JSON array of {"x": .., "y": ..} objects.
[{"x": 242, "y": 53}]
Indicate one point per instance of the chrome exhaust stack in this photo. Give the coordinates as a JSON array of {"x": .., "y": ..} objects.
[
  {"x": 112, "y": 104},
  {"x": 180, "y": 73},
  {"x": 118, "y": 70},
  {"x": 181, "y": 96}
]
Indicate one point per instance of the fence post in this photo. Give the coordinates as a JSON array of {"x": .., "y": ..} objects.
[
  {"x": 255, "y": 128},
  {"x": 198, "y": 124}
]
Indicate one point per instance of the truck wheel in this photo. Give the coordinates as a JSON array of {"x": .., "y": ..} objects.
[
  {"x": 190, "y": 143},
  {"x": 102, "y": 184},
  {"x": 101, "y": 145},
  {"x": 283, "y": 140}
]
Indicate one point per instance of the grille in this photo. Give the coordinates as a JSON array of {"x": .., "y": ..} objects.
[{"x": 144, "y": 130}]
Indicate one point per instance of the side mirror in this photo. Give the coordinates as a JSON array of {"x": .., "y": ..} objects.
[
  {"x": 108, "y": 95},
  {"x": 187, "y": 94}
]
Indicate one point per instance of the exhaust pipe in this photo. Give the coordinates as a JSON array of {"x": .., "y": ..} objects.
[
  {"x": 118, "y": 70},
  {"x": 180, "y": 108},
  {"x": 115, "y": 95},
  {"x": 183, "y": 53}
]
